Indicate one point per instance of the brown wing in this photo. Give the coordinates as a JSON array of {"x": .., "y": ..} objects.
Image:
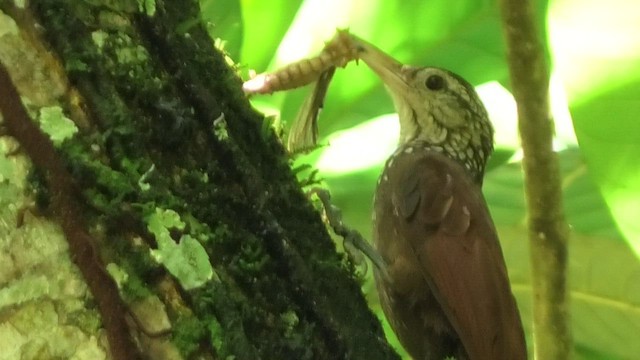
[{"x": 444, "y": 217}]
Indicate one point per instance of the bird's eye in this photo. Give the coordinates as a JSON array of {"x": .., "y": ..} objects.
[{"x": 434, "y": 82}]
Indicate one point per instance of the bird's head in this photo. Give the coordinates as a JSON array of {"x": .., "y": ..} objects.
[{"x": 436, "y": 107}]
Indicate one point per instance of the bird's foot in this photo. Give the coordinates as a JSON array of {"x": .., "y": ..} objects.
[{"x": 355, "y": 245}]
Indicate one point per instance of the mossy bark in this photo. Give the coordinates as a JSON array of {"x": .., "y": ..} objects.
[{"x": 163, "y": 124}]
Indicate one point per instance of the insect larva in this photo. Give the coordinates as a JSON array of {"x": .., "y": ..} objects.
[
  {"x": 294, "y": 75},
  {"x": 337, "y": 52}
]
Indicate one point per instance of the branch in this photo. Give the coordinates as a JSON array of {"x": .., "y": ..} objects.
[{"x": 548, "y": 231}]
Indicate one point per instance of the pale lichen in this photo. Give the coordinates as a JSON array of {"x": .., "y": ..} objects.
[
  {"x": 187, "y": 260},
  {"x": 55, "y": 124},
  {"x": 46, "y": 311},
  {"x": 29, "y": 66},
  {"x": 45, "y": 308}
]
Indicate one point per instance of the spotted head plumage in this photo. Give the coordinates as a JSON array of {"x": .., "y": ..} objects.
[
  {"x": 437, "y": 109},
  {"x": 442, "y": 111}
]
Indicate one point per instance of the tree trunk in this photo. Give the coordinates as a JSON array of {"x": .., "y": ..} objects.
[{"x": 174, "y": 187}]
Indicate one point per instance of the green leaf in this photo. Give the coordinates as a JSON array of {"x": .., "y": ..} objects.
[
  {"x": 265, "y": 23},
  {"x": 224, "y": 22},
  {"x": 608, "y": 130},
  {"x": 594, "y": 46},
  {"x": 603, "y": 273},
  {"x": 598, "y": 58},
  {"x": 604, "y": 278}
]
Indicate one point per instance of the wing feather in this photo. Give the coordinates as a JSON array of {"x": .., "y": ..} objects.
[{"x": 444, "y": 217}]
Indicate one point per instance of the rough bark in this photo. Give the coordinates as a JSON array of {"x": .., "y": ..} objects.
[{"x": 163, "y": 125}]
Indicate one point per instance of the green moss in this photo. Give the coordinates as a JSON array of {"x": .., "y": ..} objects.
[
  {"x": 99, "y": 37},
  {"x": 136, "y": 267},
  {"x": 111, "y": 20},
  {"x": 125, "y": 6},
  {"x": 37, "y": 185},
  {"x": 290, "y": 320},
  {"x": 147, "y": 6},
  {"x": 216, "y": 334},
  {"x": 220, "y": 128},
  {"x": 227, "y": 320},
  {"x": 187, "y": 333}
]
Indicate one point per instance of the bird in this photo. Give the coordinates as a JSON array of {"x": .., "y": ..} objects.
[{"x": 445, "y": 290}]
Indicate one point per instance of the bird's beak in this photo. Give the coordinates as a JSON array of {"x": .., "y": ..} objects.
[{"x": 391, "y": 71}]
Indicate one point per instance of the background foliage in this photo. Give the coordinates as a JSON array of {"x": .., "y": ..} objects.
[{"x": 595, "y": 90}]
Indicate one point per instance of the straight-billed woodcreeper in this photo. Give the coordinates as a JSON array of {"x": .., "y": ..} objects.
[
  {"x": 440, "y": 273},
  {"x": 446, "y": 291}
]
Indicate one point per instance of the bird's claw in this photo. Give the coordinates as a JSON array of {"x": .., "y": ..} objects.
[{"x": 355, "y": 245}]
